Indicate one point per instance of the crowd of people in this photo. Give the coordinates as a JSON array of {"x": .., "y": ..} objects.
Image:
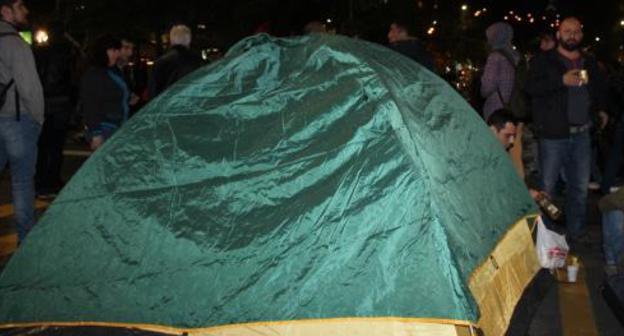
[
  {"x": 43, "y": 89},
  {"x": 555, "y": 107},
  {"x": 545, "y": 109}
]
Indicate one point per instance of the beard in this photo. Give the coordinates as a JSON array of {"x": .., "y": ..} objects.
[
  {"x": 22, "y": 23},
  {"x": 570, "y": 45}
]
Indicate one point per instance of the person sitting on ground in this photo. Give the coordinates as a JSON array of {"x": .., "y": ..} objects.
[
  {"x": 178, "y": 62},
  {"x": 503, "y": 125}
]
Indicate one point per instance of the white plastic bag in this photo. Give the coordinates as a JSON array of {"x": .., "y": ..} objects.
[{"x": 552, "y": 248}]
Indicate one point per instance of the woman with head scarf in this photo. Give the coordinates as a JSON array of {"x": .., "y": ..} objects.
[
  {"x": 497, "y": 81},
  {"x": 498, "y": 75}
]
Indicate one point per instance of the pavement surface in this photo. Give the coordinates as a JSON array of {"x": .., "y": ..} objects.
[{"x": 567, "y": 309}]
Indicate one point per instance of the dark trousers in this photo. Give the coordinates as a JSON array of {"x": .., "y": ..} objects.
[
  {"x": 50, "y": 148},
  {"x": 614, "y": 159}
]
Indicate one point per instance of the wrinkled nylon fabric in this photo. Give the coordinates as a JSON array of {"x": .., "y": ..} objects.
[{"x": 303, "y": 178}]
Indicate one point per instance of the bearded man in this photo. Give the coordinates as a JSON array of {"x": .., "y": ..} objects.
[{"x": 567, "y": 99}]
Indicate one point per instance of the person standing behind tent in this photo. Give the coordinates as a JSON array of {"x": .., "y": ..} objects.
[
  {"x": 56, "y": 63},
  {"x": 565, "y": 104},
  {"x": 178, "y": 62},
  {"x": 547, "y": 42},
  {"x": 400, "y": 39},
  {"x": 21, "y": 115},
  {"x": 615, "y": 99},
  {"x": 127, "y": 70},
  {"x": 498, "y": 78},
  {"x": 104, "y": 94},
  {"x": 498, "y": 75}
]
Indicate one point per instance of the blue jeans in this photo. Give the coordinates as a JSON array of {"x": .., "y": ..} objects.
[
  {"x": 613, "y": 235},
  {"x": 614, "y": 159},
  {"x": 18, "y": 148},
  {"x": 573, "y": 156}
]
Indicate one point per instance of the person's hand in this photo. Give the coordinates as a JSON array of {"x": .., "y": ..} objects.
[
  {"x": 96, "y": 142},
  {"x": 534, "y": 193},
  {"x": 572, "y": 78},
  {"x": 603, "y": 119},
  {"x": 134, "y": 99}
]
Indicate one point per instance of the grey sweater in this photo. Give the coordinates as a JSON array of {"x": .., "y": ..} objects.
[{"x": 17, "y": 62}]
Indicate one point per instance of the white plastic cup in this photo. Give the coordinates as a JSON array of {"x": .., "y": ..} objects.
[{"x": 572, "y": 273}]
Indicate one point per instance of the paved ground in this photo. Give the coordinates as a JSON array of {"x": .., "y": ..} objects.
[
  {"x": 566, "y": 310},
  {"x": 565, "y": 313}
]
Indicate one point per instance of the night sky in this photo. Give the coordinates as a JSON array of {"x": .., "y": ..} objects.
[{"x": 234, "y": 19}]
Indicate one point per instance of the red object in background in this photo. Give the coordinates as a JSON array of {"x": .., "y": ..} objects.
[{"x": 264, "y": 27}]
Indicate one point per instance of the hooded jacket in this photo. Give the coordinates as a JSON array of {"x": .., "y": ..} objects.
[
  {"x": 17, "y": 62},
  {"x": 498, "y": 75}
]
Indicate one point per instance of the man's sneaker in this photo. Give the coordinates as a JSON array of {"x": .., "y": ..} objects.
[
  {"x": 593, "y": 186},
  {"x": 45, "y": 196},
  {"x": 611, "y": 269},
  {"x": 614, "y": 189}
]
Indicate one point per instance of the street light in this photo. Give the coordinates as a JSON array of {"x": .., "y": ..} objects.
[
  {"x": 464, "y": 7},
  {"x": 41, "y": 36}
]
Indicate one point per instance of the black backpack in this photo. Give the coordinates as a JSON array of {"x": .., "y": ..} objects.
[
  {"x": 519, "y": 99},
  {"x": 4, "y": 87}
]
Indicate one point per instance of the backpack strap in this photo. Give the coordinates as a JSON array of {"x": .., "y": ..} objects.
[
  {"x": 7, "y": 87},
  {"x": 17, "y": 105},
  {"x": 5, "y": 34},
  {"x": 12, "y": 81},
  {"x": 500, "y": 96},
  {"x": 507, "y": 56},
  {"x": 513, "y": 64}
]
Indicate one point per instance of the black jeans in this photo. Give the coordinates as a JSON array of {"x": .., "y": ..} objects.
[{"x": 51, "y": 143}]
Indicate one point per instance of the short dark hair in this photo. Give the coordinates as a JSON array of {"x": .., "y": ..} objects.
[
  {"x": 99, "y": 56},
  {"x": 500, "y": 118},
  {"x": 407, "y": 25},
  {"x": 546, "y": 35}
]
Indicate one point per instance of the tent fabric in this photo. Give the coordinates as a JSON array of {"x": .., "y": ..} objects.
[
  {"x": 499, "y": 283},
  {"x": 306, "y": 178}
]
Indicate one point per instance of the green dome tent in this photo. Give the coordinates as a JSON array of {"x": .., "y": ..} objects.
[{"x": 308, "y": 186}]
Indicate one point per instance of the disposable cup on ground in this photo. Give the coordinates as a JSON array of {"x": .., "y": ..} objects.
[{"x": 572, "y": 273}]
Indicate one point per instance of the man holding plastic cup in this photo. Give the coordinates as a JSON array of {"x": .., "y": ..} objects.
[{"x": 567, "y": 92}]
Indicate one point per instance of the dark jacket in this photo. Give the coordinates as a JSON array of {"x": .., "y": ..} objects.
[
  {"x": 414, "y": 50},
  {"x": 56, "y": 64},
  {"x": 102, "y": 99},
  {"x": 615, "y": 97},
  {"x": 549, "y": 96},
  {"x": 178, "y": 62}
]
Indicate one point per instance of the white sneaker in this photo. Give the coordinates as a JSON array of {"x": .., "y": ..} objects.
[
  {"x": 614, "y": 189},
  {"x": 593, "y": 186}
]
